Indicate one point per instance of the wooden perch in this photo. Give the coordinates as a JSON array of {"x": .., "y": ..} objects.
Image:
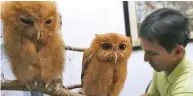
[
  {"x": 75, "y": 49},
  {"x": 19, "y": 85},
  {"x": 74, "y": 86},
  {"x": 62, "y": 91}
]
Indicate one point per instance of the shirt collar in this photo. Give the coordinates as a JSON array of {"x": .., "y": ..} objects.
[{"x": 177, "y": 71}]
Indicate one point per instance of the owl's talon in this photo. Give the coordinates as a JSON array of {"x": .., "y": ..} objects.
[
  {"x": 36, "y": 83},
  {"x": 57, "y": 88},
  {"x": 28, "y": 87},
  {"x": 49, "y": 89},
  {"x": 46, "y": 86},
  {"x": 29, "y": 84},
  {"x": 55, "y": 85}
]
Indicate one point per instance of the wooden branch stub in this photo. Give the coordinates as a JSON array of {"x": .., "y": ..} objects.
[
  {"x": 74, "y": 86},
  {"x": 75, "y": 49},
  {"x": 19, "y": 85}
]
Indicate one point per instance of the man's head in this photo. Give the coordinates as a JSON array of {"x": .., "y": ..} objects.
[{"x": 163, "y": 35}]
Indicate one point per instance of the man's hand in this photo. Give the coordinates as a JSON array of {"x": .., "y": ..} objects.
[{"x": 144, "y": 95}]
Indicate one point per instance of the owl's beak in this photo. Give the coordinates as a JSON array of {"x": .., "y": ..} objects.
[
  {"x": 115, "y": 57},
  {"x": 38, "y": 36}
]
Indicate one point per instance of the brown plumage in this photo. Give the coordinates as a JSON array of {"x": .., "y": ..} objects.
[
  {"x": 105, "y": 65},
  {"x": 31, "y": 34}
]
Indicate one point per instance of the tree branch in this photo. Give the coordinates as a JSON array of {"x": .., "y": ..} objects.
[
  {"x": 19, "y": 85},
  {"x": 75, "y": 48},
  {"x": 62, "y": 91},
  {"x": 74, "y": 86}
]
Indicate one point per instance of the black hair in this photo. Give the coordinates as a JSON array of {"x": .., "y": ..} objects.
[{"x": 166, "y": 26}]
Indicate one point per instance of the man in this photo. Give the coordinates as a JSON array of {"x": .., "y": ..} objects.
[{"x": 164, "y": 35}]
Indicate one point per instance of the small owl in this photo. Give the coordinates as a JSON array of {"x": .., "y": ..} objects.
[
  {"x": 104, "y": 67},
  {"x": 32, "y": 40}
]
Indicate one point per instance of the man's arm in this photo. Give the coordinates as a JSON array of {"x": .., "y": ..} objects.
[
  {"x": 145, "y": 95},
  {"x": 152, "y": 91}
]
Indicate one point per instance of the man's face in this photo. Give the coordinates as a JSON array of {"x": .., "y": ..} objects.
[{"x": 157, "y": 56}]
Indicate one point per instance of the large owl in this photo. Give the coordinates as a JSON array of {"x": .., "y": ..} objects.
[
  {"x": 105, "y": 65},
  {"x": 32, "y": 40}
]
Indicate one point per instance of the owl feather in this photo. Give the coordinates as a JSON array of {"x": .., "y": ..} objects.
[
  {"x": 32, "y": 40},
  {"x": 104, "y": 66}
]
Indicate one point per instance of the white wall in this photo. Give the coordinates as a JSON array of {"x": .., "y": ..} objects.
[{"x": 85, "y": 18}]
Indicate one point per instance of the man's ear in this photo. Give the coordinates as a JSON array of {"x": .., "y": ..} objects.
[{"x": 179, "y": 51}]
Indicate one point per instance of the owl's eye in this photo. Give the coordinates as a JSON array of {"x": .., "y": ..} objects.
[
  {"x": 106, "y": 46},
  {"x": 122, "y": 46},
  {"x": 48, "y": 21},
  {"x": 26, "y": 21}
]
